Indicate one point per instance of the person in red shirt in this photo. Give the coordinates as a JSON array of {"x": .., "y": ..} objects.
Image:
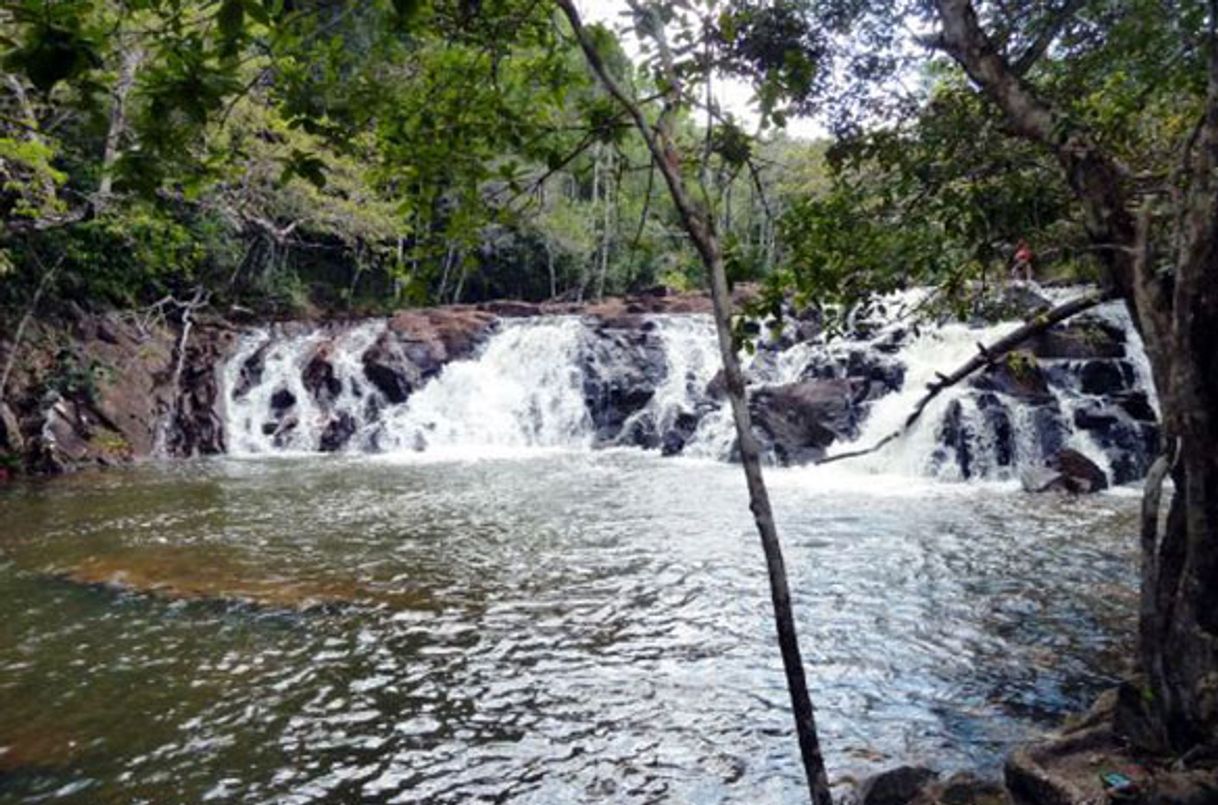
[{"x": 1022, "y": 264}]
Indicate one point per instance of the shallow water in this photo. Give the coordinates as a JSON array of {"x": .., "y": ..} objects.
[{"x": 556, "y": 627}]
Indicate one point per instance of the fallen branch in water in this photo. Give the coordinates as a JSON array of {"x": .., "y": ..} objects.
[{"x": 986, "y": 356}]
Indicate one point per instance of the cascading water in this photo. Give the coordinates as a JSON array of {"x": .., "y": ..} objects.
[
  {"x": 650, "y": 382},
  {"x": 523, "y": 390}
]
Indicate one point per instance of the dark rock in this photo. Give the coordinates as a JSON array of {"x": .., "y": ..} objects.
[
  {"x": 957, "y": 437},
  {"x": 716, "y": 389},
  {"x": 1014, "y": 301},
  {"x": 640, "y": 431},
  {"x": 1103, "y": 377},
  {"x": 1018, "y": 376},
  {"x": 282, "y": 400},
  {"x": 1137, "y": 405},
  {"x": 319, "y": 378},
  {"x": 395, "y": 373},
  {"x": 677, "y": 436},
  {"x": 963, "y": 789},
  {"x": 251, "y": 371},
  {"x": 898, "y": 786},
  {"x": 1131, "y": 445},
  {"x": 621, "y": 371},
  {"x": 1080, "y": 340},
  {"x": 337, "y": 433},
  {"x": 1081, "y": 473},
  {"x": 882, "y": 375},
  {"x": 799, "y": 420},
  {"x": 282, "y": 430}
]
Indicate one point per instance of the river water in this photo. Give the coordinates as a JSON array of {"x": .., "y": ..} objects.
[{"x": 537, "y": 626}]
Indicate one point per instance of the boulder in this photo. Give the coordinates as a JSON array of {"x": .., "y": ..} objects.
[
  {"x": 1018, "y": 375},
  {"x": 621, "y": 368},
  {"x": 899, "y": 786},
  {"x": 1137, "y": 405},
  {"x": 1081, "y": 339},
  {"x": 282, "y": 400},
  {"x": 798, "y": 421},
  {"x": 963, "y": 788},
  {"x": 1008, "y": 302},
  {"x": 956, "y": 436},
  {"x": 639, "y": 431},
  {"x": 337, "y": 433},
  {"x": 1130, "y": 444},
  {"x": 388, "y": 367},
  {"x": 1081, "y": 474},
  {"x": 250, "y": 373},
  {"x": 676, "y": 437},
  {"x": 1105, "y": 377},
  {"x": 319, "y": 377}
]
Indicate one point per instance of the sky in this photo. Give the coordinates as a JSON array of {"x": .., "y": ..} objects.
[{"x": 733, "y": 95}]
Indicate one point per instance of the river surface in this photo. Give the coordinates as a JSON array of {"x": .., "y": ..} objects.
[{"x": 556, "y": 627}]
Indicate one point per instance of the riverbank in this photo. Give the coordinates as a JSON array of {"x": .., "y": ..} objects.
[{"x": 93, "y": 389}]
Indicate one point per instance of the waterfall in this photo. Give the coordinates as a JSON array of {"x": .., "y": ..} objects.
[
  {"x": 651, "y": 382},
  {"x": 524, "y": 390}
]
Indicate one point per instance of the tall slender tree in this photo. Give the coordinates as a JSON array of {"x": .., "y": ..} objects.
[{"x": 699, "y": 224}]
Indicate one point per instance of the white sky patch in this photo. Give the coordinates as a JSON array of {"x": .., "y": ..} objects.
[{"x": 731, "y": 94}]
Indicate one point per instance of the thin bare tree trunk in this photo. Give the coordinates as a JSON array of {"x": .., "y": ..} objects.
[
  {"x": 700, "y": 228},
  {"x": 131, "y": 59},
  {"x": 47, "y": 275}
]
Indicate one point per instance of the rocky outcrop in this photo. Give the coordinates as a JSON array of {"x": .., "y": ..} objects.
[
  {"x": 622, "y": 364},
  {"x": 799, "y": 421},
  {"x": 121, "y": 391},
  {"x": 106, "y": 389},
  {"x": 1067, "y": 471},
  {"x": 417, "y": 344}
]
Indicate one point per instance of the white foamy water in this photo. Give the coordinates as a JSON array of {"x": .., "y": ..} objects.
[{"x": 528, "y": 388}]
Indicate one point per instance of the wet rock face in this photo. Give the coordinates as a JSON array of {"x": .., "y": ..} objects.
[
  {"x": 1081, "y": 339},
  {"x": 391, "y": 370},
  {"x": 799, "y": 421},
  {"x": 622, "y": 367},
  {"x": 319, "y": 378},
  {"x": 338, "y": 432},
  {"x": 1019, "y": 376}
]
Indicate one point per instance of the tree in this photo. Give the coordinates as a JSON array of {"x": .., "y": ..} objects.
[{"x": 699, "y": 223}]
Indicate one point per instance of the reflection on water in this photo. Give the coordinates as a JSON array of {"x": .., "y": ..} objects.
[{"x": 558, "y": 628}]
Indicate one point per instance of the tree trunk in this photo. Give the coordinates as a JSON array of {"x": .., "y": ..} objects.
[
  {"x": 117, "y": 128},
  {"x": 699, "y": 226}
]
